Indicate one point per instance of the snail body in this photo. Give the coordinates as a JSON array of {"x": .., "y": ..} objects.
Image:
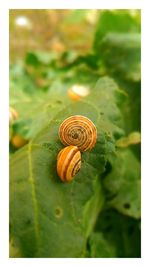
[
  {"x": 78, "y": 131},
  {"x": 68, "y": 163}
]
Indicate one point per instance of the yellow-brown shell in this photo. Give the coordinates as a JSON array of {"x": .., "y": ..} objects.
[
  {"x": 18, "y": 141},
  {"x": 78, "y": 131},
  {"x": 68, "y": 163},
  {"x": 76, "y": 91}
]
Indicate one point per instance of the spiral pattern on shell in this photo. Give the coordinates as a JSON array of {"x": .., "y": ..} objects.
[
  {"x": 68, "y": 163},
  {"x": 78, "y": 131}
]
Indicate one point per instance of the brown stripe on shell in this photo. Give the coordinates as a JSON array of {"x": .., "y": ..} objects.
[
  {"x": 68, "y": 161},
  {"x": 74, "y": 171}
]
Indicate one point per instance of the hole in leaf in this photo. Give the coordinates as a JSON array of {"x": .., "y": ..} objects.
[
  {"x": 48, "y": 106},
  {"x": 28, "y": 222},
  {"x": 58, "y": 101},
  {"x": 126, "y": 206},
  {"x": 58, "y": 212}
]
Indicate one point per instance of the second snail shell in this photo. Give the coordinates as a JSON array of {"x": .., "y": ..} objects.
[
  {"x": 78, "y": 131},
  {"x": 68, "y": 163}
]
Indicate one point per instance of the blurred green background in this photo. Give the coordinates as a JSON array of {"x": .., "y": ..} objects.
[{"x": 51, "y": 30}]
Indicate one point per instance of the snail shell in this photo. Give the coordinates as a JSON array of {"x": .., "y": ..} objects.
[
  {"x": 78, "y": 91},
  {"x": 78, "y": 131},
  {"x": 68, "y": 163}
]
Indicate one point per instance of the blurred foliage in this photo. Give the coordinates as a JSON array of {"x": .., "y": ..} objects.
[
  {"x": 98, "y": 214},
  {"x": 51, "y": 30}
]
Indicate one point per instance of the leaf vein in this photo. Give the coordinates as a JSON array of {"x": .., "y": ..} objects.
[{"x": 33, "y": 191}]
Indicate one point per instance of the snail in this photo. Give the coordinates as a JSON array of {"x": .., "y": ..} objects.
[
  {"x": 68, "y": 163},
  {"x": 78, "y": 131},
  {"x": 78, "y": 91}
]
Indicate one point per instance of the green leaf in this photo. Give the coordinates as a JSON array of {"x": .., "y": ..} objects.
[
  {"x": 131, "y": 106},
  {"x": 116, "y": 21},
  {"x": 123, "y": 184},
  {"x": 121, "y": 55},
  {"x": 42, "y": 209},
  {"x": 106, "y": 97},
  {"x": 132, "y": 139},
  {"x": 14, "y": 250},
  {"x": 100, "y": 247},
  {"x": 40, "y": 57},
  {"x": 117, "y": 44},
  {"x": 120, "y": 235},
  {"x": 45, "y": 212}
]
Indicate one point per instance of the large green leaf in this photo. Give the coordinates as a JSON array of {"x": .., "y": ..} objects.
[
  {"x": 115, "y": 235},
  {"x": 51, "y": 216},
  {"x": 123, "y": 183},
  {"x": 121, "y": 55},
  {"x": 100, "y": 247},
  {"x": 45, "y": 212},
  {"x": 117, "y": 44},
  {"x": 118, "y": 21}
]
